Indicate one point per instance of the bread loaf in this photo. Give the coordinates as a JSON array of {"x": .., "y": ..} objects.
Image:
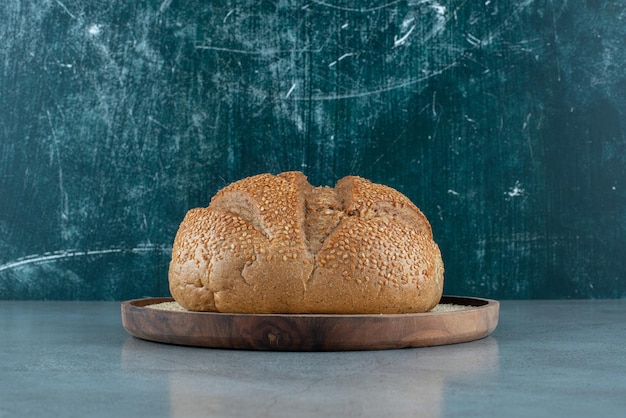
[{"x": 276, "y": 244}]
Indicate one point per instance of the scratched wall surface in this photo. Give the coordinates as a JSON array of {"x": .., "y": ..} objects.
[{"x": 503, "y": 120}]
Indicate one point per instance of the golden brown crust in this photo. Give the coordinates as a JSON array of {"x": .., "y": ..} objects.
[{"x": 269, "y": 244}]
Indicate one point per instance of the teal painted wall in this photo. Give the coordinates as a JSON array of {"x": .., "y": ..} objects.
[{"x": 503, "y": 121}]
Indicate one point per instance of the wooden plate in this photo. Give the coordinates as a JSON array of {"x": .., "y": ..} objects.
[{"x": 311, "y": 332}]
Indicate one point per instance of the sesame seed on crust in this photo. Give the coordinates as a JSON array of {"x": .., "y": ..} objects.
[{"x": 278, "y": 244}]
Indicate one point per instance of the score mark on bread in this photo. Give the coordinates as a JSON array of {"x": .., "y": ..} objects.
[{"x": 277, "y": 244}]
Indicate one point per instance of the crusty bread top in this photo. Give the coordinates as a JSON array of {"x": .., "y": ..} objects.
[{"x": 277, "y": 244}]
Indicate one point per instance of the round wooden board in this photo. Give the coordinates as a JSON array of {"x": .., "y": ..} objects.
[{"x": 311, "y": 332}]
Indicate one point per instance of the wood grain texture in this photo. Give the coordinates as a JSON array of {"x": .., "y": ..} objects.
[{"x": 310, "y": 332}]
